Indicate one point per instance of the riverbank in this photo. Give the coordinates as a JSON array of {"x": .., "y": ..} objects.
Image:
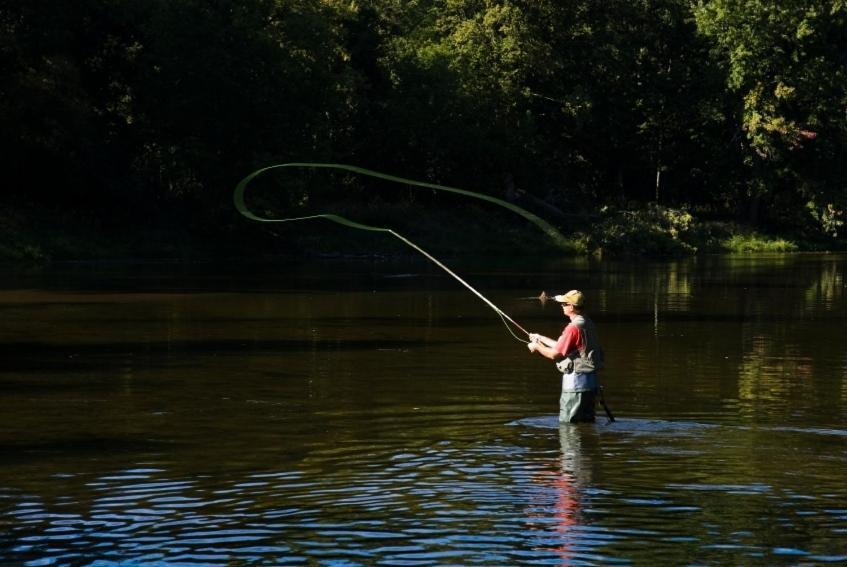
[{"x": 653, "y": 232}]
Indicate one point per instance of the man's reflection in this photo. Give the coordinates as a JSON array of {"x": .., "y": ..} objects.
[{"x": 559, "y": 511}]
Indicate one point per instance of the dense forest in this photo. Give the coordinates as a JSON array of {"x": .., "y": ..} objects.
[{"x": 612, "y": 119}]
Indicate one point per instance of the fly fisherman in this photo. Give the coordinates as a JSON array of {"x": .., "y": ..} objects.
[{"x": 578, "y": 355}]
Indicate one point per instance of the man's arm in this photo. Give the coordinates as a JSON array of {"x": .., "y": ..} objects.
[
  {"x": 544, "y": 350},
  {"x": 551, "y": 349},
  {"x": 546, "y": 341}
]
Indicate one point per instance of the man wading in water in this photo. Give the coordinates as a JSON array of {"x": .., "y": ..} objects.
[{"x": 578, "y": 355}]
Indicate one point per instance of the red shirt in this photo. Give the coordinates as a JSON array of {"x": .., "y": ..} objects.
[{"x": 571, "y": 340}]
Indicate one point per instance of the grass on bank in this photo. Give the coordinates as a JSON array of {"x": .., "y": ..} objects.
[
  {"x": 657, "y": 231},
  {"x": 755, "y": 242}
]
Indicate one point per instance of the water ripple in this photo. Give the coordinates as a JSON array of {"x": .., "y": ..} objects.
[{"x": 530, "y": 493}]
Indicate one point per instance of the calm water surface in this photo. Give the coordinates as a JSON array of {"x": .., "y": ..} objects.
[{"x": 370, "y": 413}]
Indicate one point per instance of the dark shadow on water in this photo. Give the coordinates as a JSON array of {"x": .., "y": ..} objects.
[
  {"x": 235, "y": 345},
  {"x": 78, "y": 447},
  {"x": 38, "y": 357}
]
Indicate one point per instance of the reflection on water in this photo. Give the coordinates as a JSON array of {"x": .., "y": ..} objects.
[
  {"x": 341, "y": 413},
  {"x": 556, "y": 513}
]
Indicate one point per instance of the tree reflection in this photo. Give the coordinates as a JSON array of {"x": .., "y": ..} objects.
[{"x": 790, "y": 360}]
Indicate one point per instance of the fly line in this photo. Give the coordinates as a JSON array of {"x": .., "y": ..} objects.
[{"x": 547, "y": 228}]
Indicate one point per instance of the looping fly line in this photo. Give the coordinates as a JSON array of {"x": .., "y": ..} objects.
[{"x": 241, "y": 206}]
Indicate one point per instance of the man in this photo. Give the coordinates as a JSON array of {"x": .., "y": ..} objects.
[{"x": 578, "y": 355}]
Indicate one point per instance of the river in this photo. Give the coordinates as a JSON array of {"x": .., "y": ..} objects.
[{"x": 353, "y": 413}]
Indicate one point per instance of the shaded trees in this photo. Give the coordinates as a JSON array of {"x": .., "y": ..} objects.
[
  {"x": 169, "y": 101},
  {"x": 155, "y": 109}
]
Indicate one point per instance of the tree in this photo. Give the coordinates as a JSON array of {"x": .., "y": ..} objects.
[{"x": 785, "y": 64}]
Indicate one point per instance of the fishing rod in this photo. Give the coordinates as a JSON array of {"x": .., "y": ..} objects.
[
  {"x": 496, "y": 309},
  {"x": 241, "y": 206},
  {"x": 555, "y": 235}
]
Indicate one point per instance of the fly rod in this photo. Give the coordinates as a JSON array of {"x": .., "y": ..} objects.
[{"x": 241, "y": 206}]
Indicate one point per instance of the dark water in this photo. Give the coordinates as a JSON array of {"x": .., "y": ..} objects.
[{"x": 352, "y": 414}]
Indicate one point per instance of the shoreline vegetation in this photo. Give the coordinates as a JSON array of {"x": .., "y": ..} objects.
[{"x": 651, "y": 232}]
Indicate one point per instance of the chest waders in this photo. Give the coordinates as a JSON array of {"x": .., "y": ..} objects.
[{"x": 580, "y": 387}]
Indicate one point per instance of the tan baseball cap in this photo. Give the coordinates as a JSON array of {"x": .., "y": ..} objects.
[{"x": 574, "y": 297}]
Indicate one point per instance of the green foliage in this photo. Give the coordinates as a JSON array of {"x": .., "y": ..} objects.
[
  {"x": 829, "y": 216},
  {"x": 653, "y": 231},
  {"x": 147, "y": 113},
  {"x": 785, "y": 68}
]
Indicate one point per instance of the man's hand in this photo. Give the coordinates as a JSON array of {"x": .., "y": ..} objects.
[
  {"x": 534, "y": 337},
  {"x": 532, "y": 346}
]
